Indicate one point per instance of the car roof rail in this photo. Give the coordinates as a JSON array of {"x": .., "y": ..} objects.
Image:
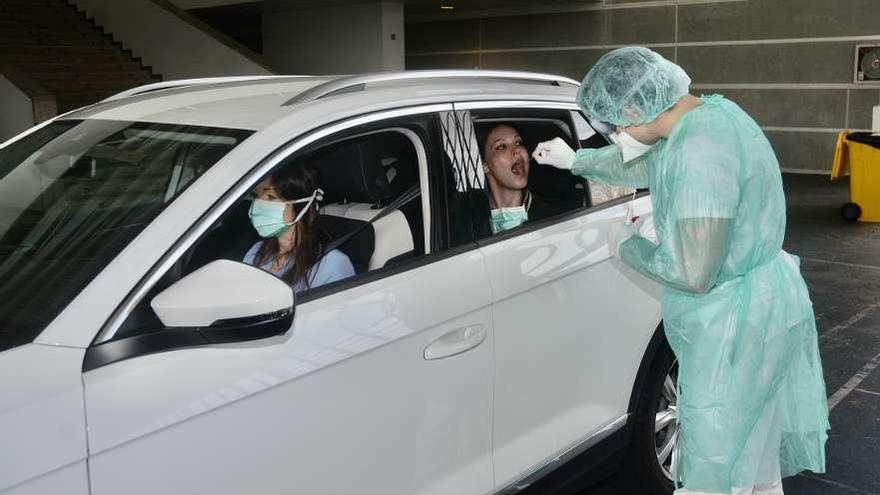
[
  {"x": 183, "y": 83},
  {"x": 351, "y": 84}
]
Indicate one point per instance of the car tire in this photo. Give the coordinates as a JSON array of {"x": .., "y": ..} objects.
[
  {"x": 850, "y": 212},
  {"x": 646, "y": 468}
]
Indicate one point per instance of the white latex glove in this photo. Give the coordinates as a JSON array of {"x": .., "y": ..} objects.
[
  {"x": 555, "y": 152},
  {"x": 620, "y": 231},
  {"x": 648, "y": 230}
]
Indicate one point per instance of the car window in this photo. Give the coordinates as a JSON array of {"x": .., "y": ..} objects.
[
  {"x": 74, "y": 193},
  {"x": 509, "y": 189},
  {"x": 587, "y": 137},
  {"x": 361, "y": 207}
]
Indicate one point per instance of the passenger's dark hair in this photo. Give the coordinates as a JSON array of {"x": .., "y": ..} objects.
[
  {"x": 481, "y": 132},
  {"x": 295, "y": 182}
]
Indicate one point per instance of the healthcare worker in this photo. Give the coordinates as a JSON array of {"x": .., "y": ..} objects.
[{"x": 736, "y": 310}]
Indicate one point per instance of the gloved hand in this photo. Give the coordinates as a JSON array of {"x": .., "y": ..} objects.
[
  {"x": 620, "y": 231},
  {"x": 555, "y": 152}
]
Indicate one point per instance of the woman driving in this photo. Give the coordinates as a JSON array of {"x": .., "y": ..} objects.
[{"x": 285, "y": 213}]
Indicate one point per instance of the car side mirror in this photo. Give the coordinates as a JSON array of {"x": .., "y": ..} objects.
[
  {"x": 221, "y": 302},
  {"x": 221, "y": 293}
]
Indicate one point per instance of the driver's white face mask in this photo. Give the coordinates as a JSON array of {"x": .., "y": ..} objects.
[{"x": 631, "y": 147}]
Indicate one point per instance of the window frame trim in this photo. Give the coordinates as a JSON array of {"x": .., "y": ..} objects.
[
  {"x": 228, "y": 198},
  {"x": 562, "y": 217},
  {"x": 518, "y": 104}
]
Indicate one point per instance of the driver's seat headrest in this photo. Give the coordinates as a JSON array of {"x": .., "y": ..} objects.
[{"x": 353, "y": 173}]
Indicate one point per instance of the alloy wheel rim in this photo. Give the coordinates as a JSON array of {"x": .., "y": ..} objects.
[{"x": 667, "y": 432}]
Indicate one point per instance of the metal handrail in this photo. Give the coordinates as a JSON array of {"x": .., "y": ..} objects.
[
  {"x": 182, "y": 83},
  {"x": 354, "y": 83}
]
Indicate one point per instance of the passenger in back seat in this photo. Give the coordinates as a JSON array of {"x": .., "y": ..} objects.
[
  {"x": 506, "y": 165},
  {"x": 284, "y": 213}
]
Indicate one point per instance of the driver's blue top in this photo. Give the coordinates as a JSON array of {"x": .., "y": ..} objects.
[{"x": 333, "y": 266}]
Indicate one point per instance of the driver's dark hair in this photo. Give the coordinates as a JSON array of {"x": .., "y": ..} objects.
[{"x": 295, "y": 182}]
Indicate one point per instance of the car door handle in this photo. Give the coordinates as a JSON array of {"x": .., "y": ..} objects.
[{"x": 455, "y": 342}]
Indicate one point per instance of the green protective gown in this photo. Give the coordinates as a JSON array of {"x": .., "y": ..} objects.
[{"x": 736, "y": 309}]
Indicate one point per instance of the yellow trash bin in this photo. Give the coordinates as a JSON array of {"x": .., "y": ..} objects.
[{"x": 859, "y": 152}]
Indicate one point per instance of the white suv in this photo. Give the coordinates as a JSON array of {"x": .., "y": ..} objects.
[{"x": 138, "y": 355}]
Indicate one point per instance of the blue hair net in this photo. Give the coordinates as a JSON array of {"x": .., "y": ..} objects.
[{"x": 631, "y": 86}]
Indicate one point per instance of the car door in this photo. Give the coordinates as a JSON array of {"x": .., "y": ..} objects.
[
  {"x": 570, "y": 324},
  {"x": 381, "y": 385},
  {"x": 42, "y": 422}
]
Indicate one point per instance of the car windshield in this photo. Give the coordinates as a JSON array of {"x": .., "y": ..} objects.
[{"x": 74, "y": 193}]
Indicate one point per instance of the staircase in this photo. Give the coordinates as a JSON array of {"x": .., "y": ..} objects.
[{"x": 69, "y": 55}]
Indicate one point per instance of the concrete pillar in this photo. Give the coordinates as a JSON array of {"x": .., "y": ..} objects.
[
  {"x": 335, "y": 39},
  {"x": 18, "y": 109}
]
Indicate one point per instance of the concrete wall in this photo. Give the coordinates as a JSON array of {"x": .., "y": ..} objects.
[
  {"x": 337, "y": 39},
  {"x": 393, "y": 55},
  {"x": 789, "y": 63},
  {"x": 171, "y": 45},
  {"x": 18, "y": 110}
]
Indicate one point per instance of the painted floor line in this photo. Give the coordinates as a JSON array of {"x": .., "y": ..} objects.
[
  {"x": 853, "y": 383},
  {"x": 834, "y": 483},
  {"x": 850, "y": 322},
  {"x": 841, "y": 263},
  {"x": 870, "y": 392}
]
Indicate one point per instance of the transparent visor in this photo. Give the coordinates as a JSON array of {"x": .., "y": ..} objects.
[{"x": 606, "y": 129}]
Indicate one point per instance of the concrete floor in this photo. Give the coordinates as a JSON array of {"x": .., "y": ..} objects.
[{"x": 841, "y": 263}]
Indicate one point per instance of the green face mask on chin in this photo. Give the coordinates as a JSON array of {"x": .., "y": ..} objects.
[{"x": 508, "y": 218}]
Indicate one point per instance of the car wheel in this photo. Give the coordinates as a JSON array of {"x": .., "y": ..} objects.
[
  {"x": 654, "y": 447},
  {"x": 850, "y": 212}
]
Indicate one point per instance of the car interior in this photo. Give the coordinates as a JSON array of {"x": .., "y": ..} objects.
[
  {"x": 363, "y": 177},
  {"x": 360, "y": 178}
]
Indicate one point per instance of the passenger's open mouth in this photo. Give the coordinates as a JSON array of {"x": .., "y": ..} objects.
[{"x": 518, "y": 168}]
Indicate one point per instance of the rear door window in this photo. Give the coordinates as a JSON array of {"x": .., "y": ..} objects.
[{"x": 510, "y": 189}]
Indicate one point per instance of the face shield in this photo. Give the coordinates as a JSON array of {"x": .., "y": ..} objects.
[{"x": 606, "y": 129}]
